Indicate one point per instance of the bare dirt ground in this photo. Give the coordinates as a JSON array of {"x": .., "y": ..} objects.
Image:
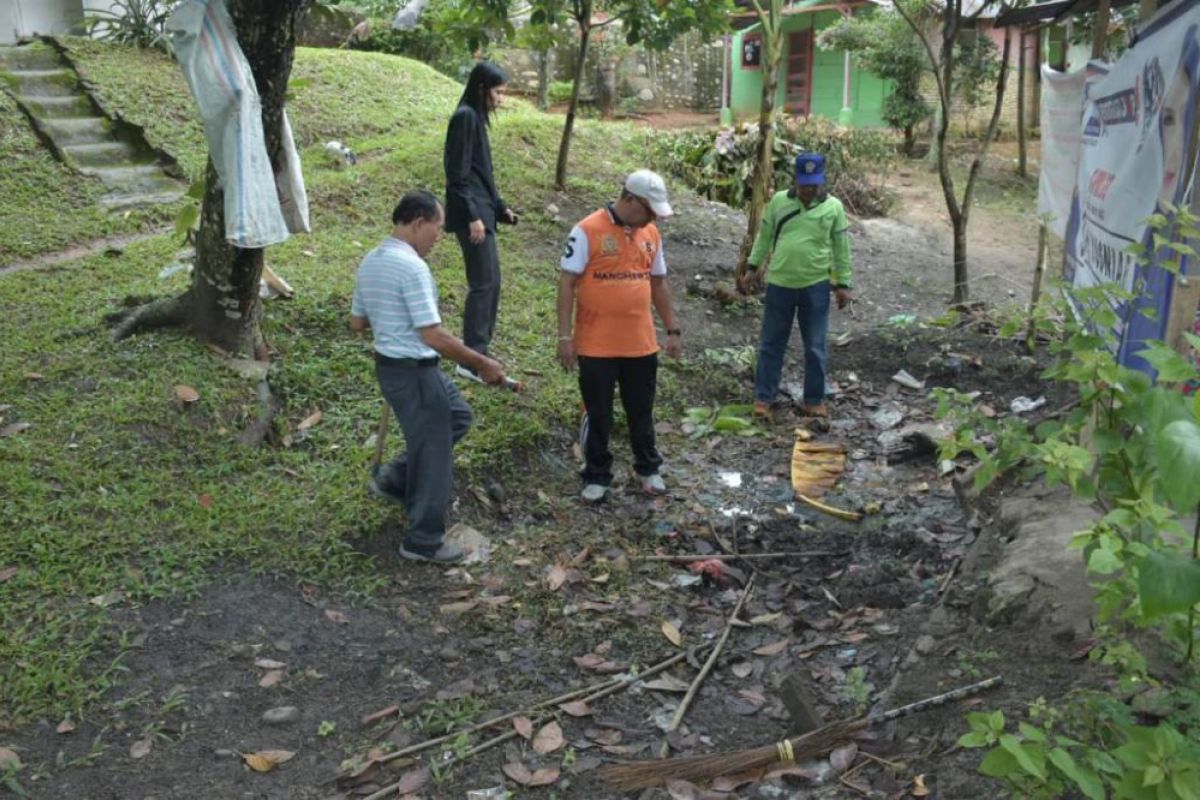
[{"x": 567, "y": 597}]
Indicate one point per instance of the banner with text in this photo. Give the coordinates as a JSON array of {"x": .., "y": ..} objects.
[{"x": 1136, "y": 136}]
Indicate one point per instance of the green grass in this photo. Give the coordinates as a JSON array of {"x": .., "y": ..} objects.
[{"x": 116, "y": 487}]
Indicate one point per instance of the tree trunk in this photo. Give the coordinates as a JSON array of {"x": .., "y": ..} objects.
[
  {"x": 763, "y": 179},
  {"x": 543, "y": 78},
  {"x": 564, "y": 147},
  {"x": 1022, "y": 145},
  {"x": 222, "y": 304},
  {"x": 962, "y": 289}
]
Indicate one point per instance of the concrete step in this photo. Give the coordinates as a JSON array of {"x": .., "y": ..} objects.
[
  {"x": 105, "y": 154},
  {"x": 29, "y": 57},
  {"x": 50, "y": 106},
  {"x": 116, "y": 201},
  {"x": 79, "y": 130},
  {"x": 46, "y": 82},
  {"x": 133, "y": 178}
]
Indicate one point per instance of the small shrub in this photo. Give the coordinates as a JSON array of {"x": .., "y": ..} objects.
[
  {"x": 720, "y": 165},
  {"x": 137, "y": 22},
  {"x": 560, "y": 91}
]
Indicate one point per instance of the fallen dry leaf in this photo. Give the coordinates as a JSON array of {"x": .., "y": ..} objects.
[
  {"x": 458, "y": 608},
  {"x": 523, "y": 726},
  {"x": 267, "y": 760},
  {"x": 772, "y": 649},
  {"x": 842, "y": 758},
  {"x": 672, "y": 633},
  {"x": 268, "y": 663},
  {"x": 185, "y": 393},
  {"x": 495, "y": 602},
  {"x": 556, "y": 577},
  {"x": 765, "y": 619},
  {"x": 412, "y": 781},
  {"x": 336, "y": 616},
  {"x": 310, "y": 420},
  {"x": 14, "y": 429},
  {"x": 9, "y": 760},
  {"x": 271, "y": 678},
  {"x": 141, "y": 748},
  {"x": 597, "y": 663},
  {"x": 7, "y": 574},
  {"x": 742, "y": 669},
  {"x": 34, "y": 376},
  {"x": 919, "y": 789},
  {"x": 66, "y": 726},
  {"x": 681, "y": 790},
  {"x": 577, "y": 708},
  {"x": 518, "y": 772},
  {"x": 548, "y": 739},
  {"x": 107, "y": 599},
  {"x": 205, "y": 500}
]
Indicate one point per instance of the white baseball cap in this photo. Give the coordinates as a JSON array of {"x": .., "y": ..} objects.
[{"x": 650, "y": 187}]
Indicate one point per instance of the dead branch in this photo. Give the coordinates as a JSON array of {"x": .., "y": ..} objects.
[
  {"x": 254, "y": 435},
  {"x": 712, "y": 658}
]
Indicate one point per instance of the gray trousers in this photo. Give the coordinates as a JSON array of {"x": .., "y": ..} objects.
[
  {"x": 433, "y": 416},
  {"x": 483, "y": 290}
]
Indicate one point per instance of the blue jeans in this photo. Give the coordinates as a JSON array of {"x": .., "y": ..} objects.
[{"x": 810, "y": 308}]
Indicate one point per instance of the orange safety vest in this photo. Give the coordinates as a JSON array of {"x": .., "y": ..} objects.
[{"x": 612, "y": 296}]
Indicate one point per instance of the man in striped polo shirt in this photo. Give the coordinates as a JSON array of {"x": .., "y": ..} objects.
[
  {"x": 613, "y": 271},
  {"x": 395, "y": 296}
]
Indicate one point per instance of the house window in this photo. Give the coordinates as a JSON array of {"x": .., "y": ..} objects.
[{"x": 752, "y": 51}]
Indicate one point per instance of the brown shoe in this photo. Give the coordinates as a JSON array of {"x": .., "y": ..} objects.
[
  {"x": 762, "y": 409},
  {"x": 819, "y": 410}
]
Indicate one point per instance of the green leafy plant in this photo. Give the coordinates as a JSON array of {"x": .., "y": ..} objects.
[
  {"x": 732, "y": 420},
  {"x": 858, "y": 690},
  {"x": 136, "y": 22},
  {"x": 326, "y": 729},
  {"x": 1132, "y": 444}
]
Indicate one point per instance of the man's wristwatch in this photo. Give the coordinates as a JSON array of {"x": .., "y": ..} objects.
[{"x": 674, "y": 332}]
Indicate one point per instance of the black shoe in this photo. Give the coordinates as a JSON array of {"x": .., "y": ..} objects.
[
  {"x": 447, "y": 553},
  {"x": 381, "y": 491}
]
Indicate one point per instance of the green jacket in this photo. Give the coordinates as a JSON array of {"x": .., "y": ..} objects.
[{"x": 813, "y": 245}]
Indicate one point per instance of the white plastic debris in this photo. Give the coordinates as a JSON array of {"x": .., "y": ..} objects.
[
  {"x": 886, "y": 418},
  {"x": 339, "y": 150},
  {"x": 905, "y": 379},
  {"x": 1023, "y": 405},
  {"x": 731, "y": 479}
]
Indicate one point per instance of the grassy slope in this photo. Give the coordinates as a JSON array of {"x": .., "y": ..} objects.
[{"x": 116, "y": 488}]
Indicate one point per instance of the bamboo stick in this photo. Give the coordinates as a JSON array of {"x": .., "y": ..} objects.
[{"x": 712, "y": 658}]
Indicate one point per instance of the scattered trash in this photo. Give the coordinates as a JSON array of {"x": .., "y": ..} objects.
[
  {"x": 833, "y": 511},
  {"x": 494, "y": 793},
  {"x": 843, "y": 340},
  {"x": 1023, "y": 405},
  {"x": 339, "y": 150},
  {"x": 731, "y": 479},
  {"x": 908, "y": 381},
  {"x": 886, "y": 418},
  {"x": 945, "y": 467}
]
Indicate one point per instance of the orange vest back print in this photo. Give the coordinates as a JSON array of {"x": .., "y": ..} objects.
[{"x": 612, "y": 296}]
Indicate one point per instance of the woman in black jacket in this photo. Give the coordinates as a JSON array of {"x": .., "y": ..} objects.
[{"x": 473, "y": 205}]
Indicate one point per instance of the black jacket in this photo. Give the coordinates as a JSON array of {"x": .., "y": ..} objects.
[{"x": 470, "y": 187}]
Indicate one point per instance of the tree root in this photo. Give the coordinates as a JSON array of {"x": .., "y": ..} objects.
[
  {"x": 260, "y": 429},
  {"x": 169, "y": 312}
]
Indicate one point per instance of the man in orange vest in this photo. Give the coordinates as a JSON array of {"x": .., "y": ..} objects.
[{"x": 613, "y": 271}]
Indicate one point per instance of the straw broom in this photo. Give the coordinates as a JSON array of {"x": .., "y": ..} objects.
[{"x": 644, "y": 774}]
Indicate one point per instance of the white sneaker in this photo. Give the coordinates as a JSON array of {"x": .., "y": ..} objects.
[
  {"x": 653, "y": 484},
  {"x": 594, "y": 493}
]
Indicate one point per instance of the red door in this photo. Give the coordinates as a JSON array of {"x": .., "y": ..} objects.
[{"x": 798, "y": 99}]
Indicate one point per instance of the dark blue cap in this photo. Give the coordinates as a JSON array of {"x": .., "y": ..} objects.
[{"x": 810, "y": 169}]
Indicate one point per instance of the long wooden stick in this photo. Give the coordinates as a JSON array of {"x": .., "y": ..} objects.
[
  {"x": 712, "y": 659},
  {"x": 735, "y": 556},
  {"x": 589, "y": 694},
  {"x": 381, "y": 435}
]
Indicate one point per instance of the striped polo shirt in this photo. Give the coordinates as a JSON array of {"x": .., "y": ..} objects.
[{"x": 395, "y": 291}]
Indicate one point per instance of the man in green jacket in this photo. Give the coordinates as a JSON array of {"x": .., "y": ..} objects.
[{"x": 805, "y": 233}]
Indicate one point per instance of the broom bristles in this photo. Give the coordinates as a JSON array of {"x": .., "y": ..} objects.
[{"x": 644, "y": 774}]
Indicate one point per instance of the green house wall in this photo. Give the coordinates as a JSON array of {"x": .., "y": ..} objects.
[{"x": 867, "y": 91}]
